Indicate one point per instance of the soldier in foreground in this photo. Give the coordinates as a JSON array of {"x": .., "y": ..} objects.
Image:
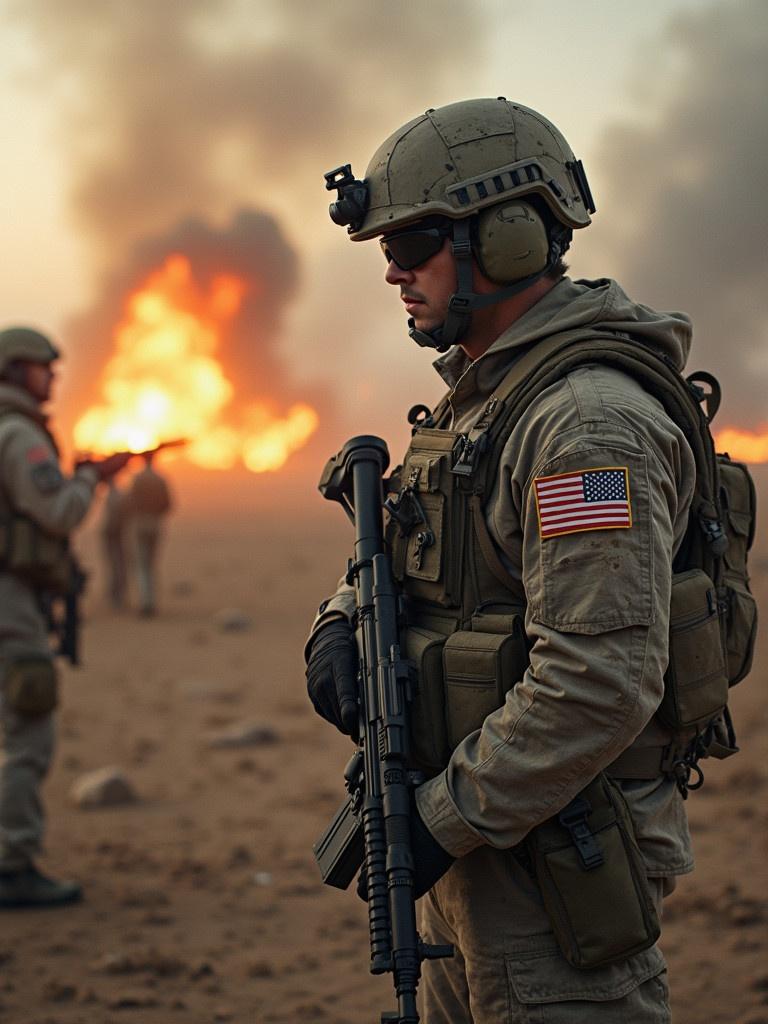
[
  {"x": 534, "y": 528},
  {"x": 39, "y": 506}
]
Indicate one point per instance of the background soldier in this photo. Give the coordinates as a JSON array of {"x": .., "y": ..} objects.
[
  {"x": 475, "y": 204},
  {"x": 113, "y": 526},
  {"x": 149, "y": 501},
  {"x": 38, "y": 508}
]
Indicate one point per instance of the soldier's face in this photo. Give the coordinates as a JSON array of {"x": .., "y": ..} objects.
[
  {"x": 39, "y": 380},
  {"x": 426, "y": 289}
]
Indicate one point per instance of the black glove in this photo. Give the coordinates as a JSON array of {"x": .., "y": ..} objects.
[
  {"x": 430, "y": 860},
  {"x": 332, "y": 675}
]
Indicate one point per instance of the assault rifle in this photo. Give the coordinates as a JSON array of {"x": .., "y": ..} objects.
[
  {"x": 372, "y": 827},
  {"x": 62, "y": 611}
]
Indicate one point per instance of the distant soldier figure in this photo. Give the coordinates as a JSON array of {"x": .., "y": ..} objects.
[
  {"x": 38, "y": 508},
  {"x": 114, "y": 521},
  {"x": 149, "y": 501}
]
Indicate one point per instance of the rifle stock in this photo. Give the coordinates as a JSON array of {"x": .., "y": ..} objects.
[{"x": 372, "y": 827}]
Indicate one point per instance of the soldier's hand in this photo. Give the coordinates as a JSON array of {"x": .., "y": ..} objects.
[
  {"x": 112, "y": 464},
  {"x": 430, "y": 860},
  {"x": 332, "y": 675}
]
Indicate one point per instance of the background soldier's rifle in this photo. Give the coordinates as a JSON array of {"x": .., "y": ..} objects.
[
  {"x": 62, "y": 611},
  {"x": 373, "y": 826}
]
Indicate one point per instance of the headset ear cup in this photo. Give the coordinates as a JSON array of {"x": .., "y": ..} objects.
[{"x": 511, "y": 242}]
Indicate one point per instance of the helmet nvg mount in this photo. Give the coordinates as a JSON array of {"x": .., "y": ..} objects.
[
  {"x": 26, "y": 344},
  {"x": 502, "y": 174}
]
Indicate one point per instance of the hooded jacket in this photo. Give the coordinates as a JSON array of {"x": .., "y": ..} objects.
[{"x": 597, "y": 597}]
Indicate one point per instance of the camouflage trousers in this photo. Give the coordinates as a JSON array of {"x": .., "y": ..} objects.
[
  {"x": 508, "y": 968},
  {"x": 26, "y": 748}
]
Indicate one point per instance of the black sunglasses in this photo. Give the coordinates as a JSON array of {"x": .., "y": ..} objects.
[{"x": 413, "y": 246}]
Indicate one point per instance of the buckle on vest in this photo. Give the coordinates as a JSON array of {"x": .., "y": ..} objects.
[
  {"x": 466, "y": 454},
  {"x": 405, "y": 508},
  {"x": 574, "y": 818}
]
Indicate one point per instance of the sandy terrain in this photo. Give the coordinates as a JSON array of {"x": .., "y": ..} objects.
[{"x": 203, "y": 903}]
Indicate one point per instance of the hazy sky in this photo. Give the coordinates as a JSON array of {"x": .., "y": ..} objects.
[{"x": 121, "y": 120}]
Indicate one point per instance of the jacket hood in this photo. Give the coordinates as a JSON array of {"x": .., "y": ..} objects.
[
  {"x": 14, "y": 399},
  {"x": 572, "y": 304}
]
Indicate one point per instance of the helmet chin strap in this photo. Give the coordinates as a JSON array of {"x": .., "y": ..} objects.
[{"x": 464, "y": 300}]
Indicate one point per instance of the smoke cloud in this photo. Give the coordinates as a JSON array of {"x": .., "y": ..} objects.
[
  {"x": 183, "y": 106},
  {"x": 683, "y": 218},
  {"x": 252, "y": 248}
]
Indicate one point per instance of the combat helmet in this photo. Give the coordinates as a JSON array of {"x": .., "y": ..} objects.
[
  {"x": 27, "y": 344},
  {"x": 502, "y": 175}
]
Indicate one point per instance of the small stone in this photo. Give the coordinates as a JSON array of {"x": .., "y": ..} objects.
[
  {"x": 262, "y": 878},
  {"x": 232, "y": 620},
  {"x": 132, "y": 1001},
  {"x": 105, "y": 787},
  {"x": 56, "y": 991},
  {"x": 201, "y": 970},
  {"x": 244, "y": 734},
  {"x": 239, "y": 857}
]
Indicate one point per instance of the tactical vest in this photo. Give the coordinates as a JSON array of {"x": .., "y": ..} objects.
[
  {"x": 28, "y": 551},
  {"x": 465, "y": 610}
]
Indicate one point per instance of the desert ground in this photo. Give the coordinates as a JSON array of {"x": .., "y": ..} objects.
[{"x": 202, "y": 899}]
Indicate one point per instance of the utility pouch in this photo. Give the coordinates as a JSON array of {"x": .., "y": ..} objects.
[
  {"x": 37, "y": 557},
  {"x": 479, "y": 669},
  {"x": 737, "y": 497},
  {"x": 30, "y": 686},
  {"x": 696, "y": 681},
  {"x": 592, "y": 878},
  {"x": 429, "y": 742}
]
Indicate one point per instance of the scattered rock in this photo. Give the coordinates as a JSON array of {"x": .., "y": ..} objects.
[
  {"x": 201, "y": 970},
  {"x": 244, "y": 734},
  {"x": 223, "y": 1015},
  {"x": 232, "y": 620},
  {"x": 150, "y": 962},
  {"x": 262, "y": 878},
  {"x": 105, "y": 787},
  {"x": 239, "y": 857},
  {"x": 132, "y": 1001},
  {"x": 261, "y": 969},
  {"x": 55, "y": 991}
]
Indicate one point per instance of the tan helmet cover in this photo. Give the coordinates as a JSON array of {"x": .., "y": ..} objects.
[
  {"x": 25, "y": 343},
  {"x": 461, "y": 158}
]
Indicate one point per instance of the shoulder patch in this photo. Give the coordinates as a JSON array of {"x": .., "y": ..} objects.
[
  {"x": 40, "y": 453},
  {"x": 47, "y": 476},
  {"x": 584, "y": 499}
]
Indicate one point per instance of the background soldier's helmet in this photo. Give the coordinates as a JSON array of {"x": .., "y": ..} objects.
[
  {"x": 459, "y": 159},
  {"x": 25, "y": 343}
]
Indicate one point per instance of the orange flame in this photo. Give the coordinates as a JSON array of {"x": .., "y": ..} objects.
[
  {"x": 165, "y": 380},
  {"x": 743, "y": 445}
]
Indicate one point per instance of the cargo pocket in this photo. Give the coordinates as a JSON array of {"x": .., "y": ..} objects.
[
  {"x": 479, "y": 669},
  {"x": 30, "y": 686},
  {"x": 592, "y": 879},
  {"x": 695, "y": 684},
  {"x": 545, "y": 979},
  {"x": 741, "y": 627}
]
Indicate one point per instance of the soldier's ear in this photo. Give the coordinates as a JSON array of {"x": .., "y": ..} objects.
[{"x": 510, "y": 242}]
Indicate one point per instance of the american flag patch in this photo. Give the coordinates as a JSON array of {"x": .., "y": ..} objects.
[{"x": 589, "y": 499}]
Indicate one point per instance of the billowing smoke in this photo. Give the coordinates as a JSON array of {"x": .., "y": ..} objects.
[
  {"x": 183, "y": 106},
  {"x": 683, "y": 218},
  {"x": 190, "y": 108},
  {"x": 251, "y": 247}
]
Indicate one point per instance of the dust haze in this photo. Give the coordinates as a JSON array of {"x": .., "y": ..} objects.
[{"x": 682, "y": 215}]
